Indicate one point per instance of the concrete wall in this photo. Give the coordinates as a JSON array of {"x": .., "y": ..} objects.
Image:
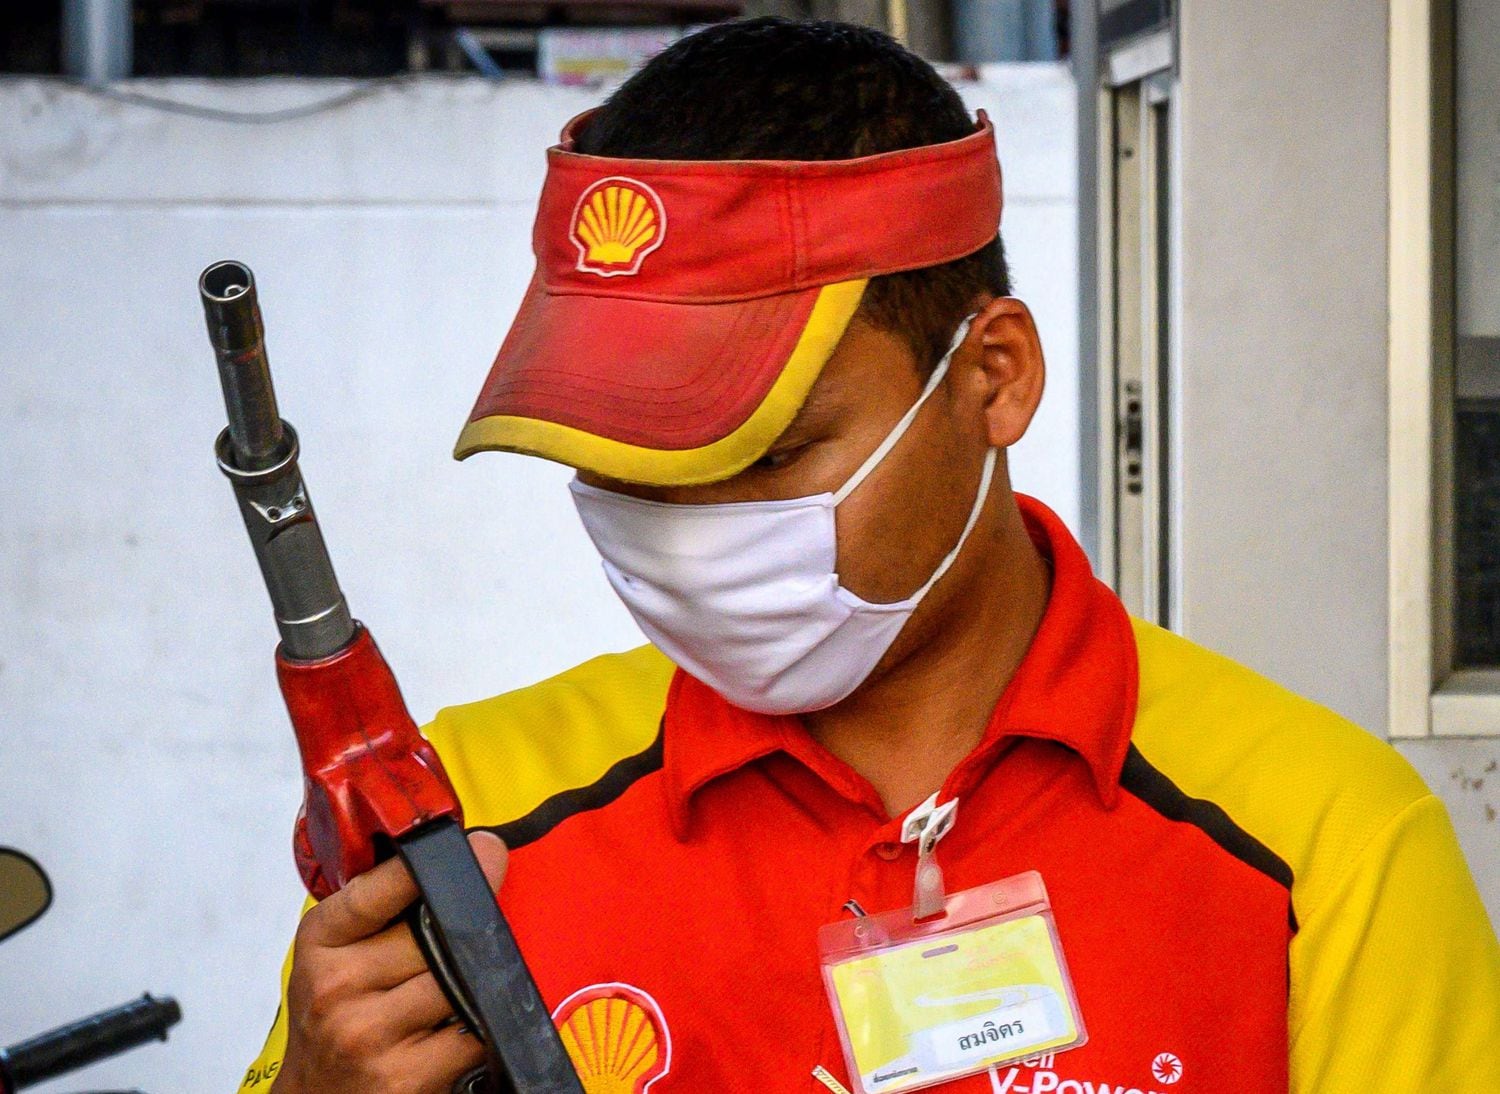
[
  {"x": 1283, "y": 206},
  {"x": 146, "y": 758},
  {"x": 1284, "y": 368}
]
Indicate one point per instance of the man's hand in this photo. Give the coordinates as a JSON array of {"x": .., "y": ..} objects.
[{"x": 362, "y": 1008}]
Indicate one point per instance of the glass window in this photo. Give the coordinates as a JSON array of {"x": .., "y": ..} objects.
[{"x": 1476, "y": 419}]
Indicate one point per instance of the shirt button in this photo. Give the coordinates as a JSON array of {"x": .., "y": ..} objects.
[{"x": 889, "y": 851}]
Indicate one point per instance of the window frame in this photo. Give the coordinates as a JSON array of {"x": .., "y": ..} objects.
[{"x": 1427, "y": 696}]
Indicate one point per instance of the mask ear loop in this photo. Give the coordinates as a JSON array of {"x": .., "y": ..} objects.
[
  {"x": 985, "y": 478},
  {"x": 896, "y": 433}
]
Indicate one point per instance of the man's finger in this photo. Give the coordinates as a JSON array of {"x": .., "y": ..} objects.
[
  {"x": 389, "y": 958},
  {"x": 369, "y": 903},
  {"x": 492, "y": 855},
  {"x": 437, "y": 1060},
  {"x": 363, "y": 907},
  {"x": 417, "y": 1006}
]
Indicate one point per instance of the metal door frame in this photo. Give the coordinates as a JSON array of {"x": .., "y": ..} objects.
[{"x": 1134, "y": 83}]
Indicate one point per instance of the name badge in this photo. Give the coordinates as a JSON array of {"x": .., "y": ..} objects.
[{"x": 924, "y": 1001}]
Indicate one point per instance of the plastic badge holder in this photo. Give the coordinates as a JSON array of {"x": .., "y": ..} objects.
[{"x": 924, "y": 1002}]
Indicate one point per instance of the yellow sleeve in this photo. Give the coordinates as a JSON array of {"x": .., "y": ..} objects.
[
  {"x": 260, "y": 1074},
  {"x": 1396, "y": 972}
]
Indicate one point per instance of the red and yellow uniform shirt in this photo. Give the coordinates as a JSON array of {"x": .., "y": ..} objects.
[{"x": 1253, "y": 893}]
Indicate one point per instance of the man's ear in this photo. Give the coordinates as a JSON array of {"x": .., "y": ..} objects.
[{"x": 1003, "y": 340}]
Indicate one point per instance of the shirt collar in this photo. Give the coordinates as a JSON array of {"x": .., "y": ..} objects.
[{"x": 1076, "y": 685}]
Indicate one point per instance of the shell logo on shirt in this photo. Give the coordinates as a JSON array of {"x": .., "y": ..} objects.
[
  {"x": 616, "y": 224},
  {"x": 616, "y": 1036}
]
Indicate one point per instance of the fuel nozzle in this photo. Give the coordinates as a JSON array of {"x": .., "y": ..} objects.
[
  {"x": 256, "y": 434},
  {"x": 258, "y": 453}
]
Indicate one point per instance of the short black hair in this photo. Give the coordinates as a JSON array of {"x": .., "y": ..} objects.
[{"x": 769, "y": 88}]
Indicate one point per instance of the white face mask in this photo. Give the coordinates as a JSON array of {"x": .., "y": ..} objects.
[{"x": 745, "y": 595}]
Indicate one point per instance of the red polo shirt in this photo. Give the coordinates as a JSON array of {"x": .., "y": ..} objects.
[{"x": 1251, "y": 892}]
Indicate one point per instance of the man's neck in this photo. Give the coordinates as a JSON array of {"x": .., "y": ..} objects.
[{"x": 907, "y": 728}]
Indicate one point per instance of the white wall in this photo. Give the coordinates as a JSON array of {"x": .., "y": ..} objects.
[
  {"x": 1034, "y": 109},
  {"x": 146, "y": 759},
  {"x": 1283, "y": 404}
]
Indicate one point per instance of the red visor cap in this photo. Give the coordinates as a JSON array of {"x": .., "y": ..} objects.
[{"x": 682, "y": 309}]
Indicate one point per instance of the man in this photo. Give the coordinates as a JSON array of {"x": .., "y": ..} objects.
[{"x": 771, "y": 327}]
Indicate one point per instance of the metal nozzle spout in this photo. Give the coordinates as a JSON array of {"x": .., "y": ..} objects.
[
  {"x": 258, "y": 452},
  {"x": 232, "y": 311}
]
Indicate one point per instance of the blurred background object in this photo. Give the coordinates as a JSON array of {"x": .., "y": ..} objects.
[
  {"x": 25, "y": 892},
  {"x": 113, "y": 39},
  {"x": 98, "y": 39}
]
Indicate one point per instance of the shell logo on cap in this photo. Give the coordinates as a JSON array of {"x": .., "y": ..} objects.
[
  {"x": 616, "y": 224},
  {"x": 616, "y": 1037}
]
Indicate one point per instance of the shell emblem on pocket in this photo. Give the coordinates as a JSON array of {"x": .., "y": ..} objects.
[
  {"x": 616, "y": 224},
  {"x": 616, "y": 1037}
]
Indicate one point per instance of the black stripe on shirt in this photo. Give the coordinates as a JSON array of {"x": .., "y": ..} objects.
[
  {"x": 621, "y": 776},
  {"x": 1163, "y": 795}
]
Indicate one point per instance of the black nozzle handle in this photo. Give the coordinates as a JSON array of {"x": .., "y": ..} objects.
[
  {"x": 89, "y": 1039},
  {"x": 239, "y": 340}
]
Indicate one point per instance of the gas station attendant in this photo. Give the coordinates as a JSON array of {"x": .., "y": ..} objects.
[{"x": 899, "y": 796}]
